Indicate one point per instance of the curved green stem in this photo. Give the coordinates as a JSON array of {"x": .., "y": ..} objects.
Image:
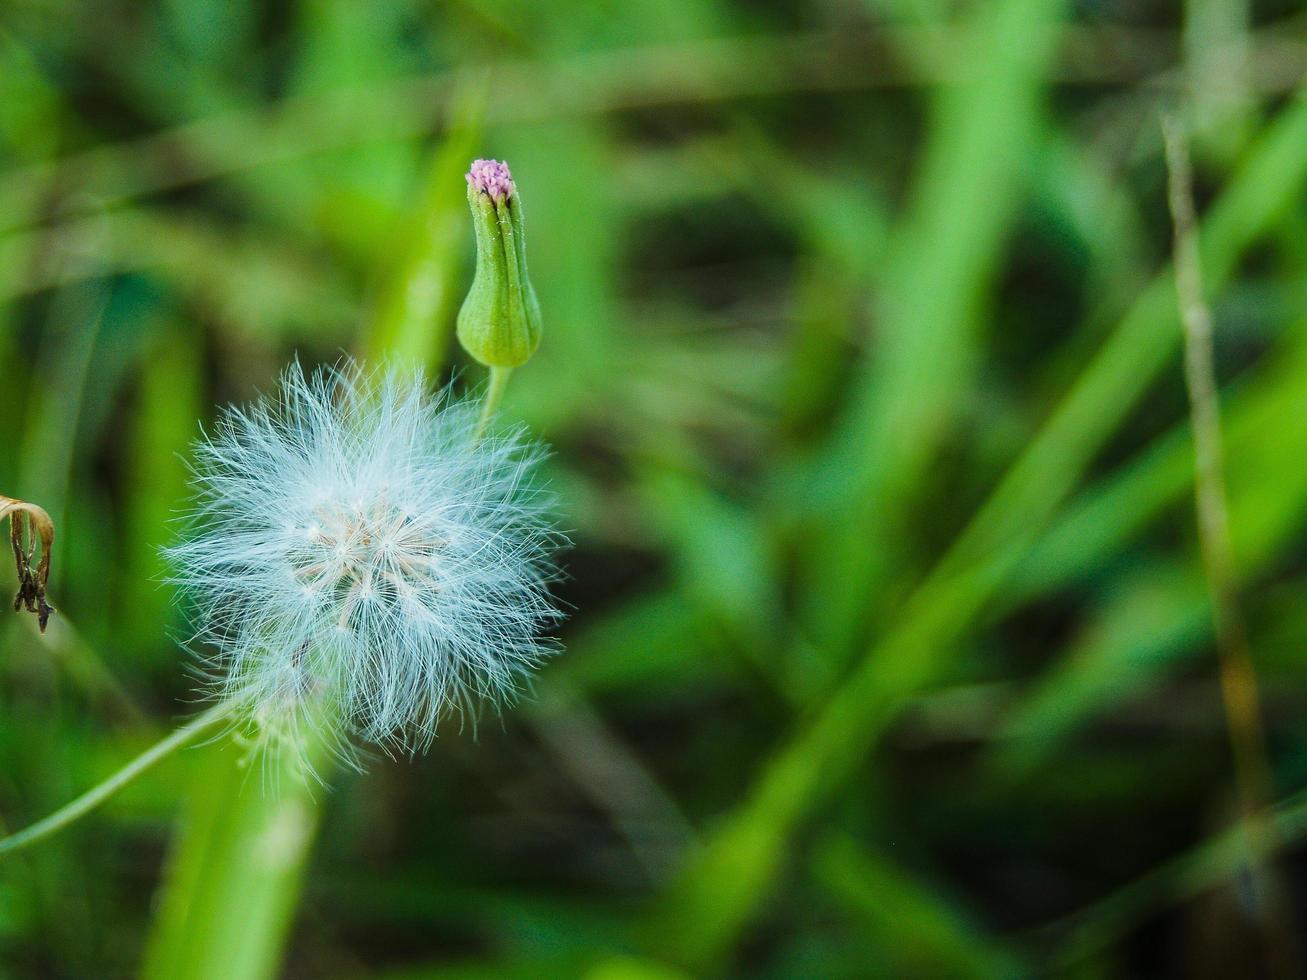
[
  {"x": 92, "y": 798},
  {"x": 494, "y": 395}
]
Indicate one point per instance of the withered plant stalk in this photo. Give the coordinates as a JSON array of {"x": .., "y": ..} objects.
[{"x": 29, "y": 524}]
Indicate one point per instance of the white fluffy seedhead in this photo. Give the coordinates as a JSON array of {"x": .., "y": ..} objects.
[{"x": 359, "y": 560}]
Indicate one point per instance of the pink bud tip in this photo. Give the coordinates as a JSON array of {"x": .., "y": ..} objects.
[{"x": 491, "y": 177}]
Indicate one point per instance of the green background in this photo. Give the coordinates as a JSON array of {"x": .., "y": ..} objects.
[{"x": 889, "y": 653}]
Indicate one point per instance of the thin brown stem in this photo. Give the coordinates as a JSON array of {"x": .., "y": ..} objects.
[
  {"x": 1238, "y": 677},
  {"x": 92, "y": 798}
]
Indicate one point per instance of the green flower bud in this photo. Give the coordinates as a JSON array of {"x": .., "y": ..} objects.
[{"x": 499, "y": 323}]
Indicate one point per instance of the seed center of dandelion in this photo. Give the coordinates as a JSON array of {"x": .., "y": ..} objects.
[{"x": 368, "y": 556}]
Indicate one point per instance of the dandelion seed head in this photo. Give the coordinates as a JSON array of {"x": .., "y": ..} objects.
[{"x": 354, "y": 545}]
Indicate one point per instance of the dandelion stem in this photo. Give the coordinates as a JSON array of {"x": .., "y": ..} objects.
[
  {"x": 494, "y": 395},
  {"x": 92, "y": 798},
  {"x": 1238, "y": 677}
]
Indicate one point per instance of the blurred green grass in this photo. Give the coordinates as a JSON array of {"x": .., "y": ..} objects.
[{"x": 890, "y": 650}]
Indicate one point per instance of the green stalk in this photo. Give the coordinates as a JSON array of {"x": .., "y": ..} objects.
[
  {"x": 236, "y": 873},
  {"x": 494, "y": 395}
]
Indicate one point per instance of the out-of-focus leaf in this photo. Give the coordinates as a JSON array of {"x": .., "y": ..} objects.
[
  {"x": 417, "y": 298},
  {"x": 931, "y": 287},
  {"x": 907, "y": 926}
]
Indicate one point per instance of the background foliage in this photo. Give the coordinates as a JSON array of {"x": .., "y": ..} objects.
[{"x": 891, "y": 652}]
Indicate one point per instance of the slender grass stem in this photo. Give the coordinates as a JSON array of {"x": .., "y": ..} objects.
[
  {"x": 1238, "y": 677},
  {"x": 494, "y": 395},
  {"x": 92, "y": 798}
]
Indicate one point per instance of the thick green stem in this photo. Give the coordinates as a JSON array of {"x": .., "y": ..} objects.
[
  {"x": 233, "y": 880},
  {"x": 89, "y": 800}
]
